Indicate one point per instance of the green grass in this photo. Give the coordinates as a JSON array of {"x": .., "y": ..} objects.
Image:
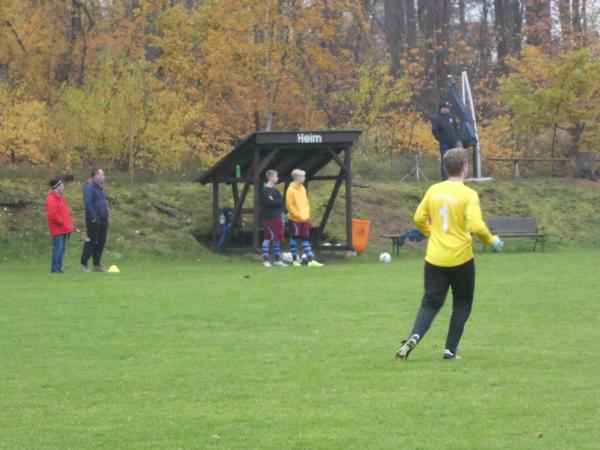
[{"x": 226, "y": 354}]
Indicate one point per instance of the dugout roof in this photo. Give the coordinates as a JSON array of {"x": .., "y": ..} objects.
[{"x": 283, "y": 151}]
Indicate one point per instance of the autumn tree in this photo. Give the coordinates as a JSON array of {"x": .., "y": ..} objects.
[{"x": 544, "y": 92}]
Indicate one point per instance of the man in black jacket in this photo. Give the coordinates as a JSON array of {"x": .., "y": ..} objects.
[
  {"x": 444, "y": 129},
  {"x": 96, "y": 220},
  {"x": 272, "y": 209}
]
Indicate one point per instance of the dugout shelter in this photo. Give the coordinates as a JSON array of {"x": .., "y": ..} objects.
[{"x": 282, "y": 151}]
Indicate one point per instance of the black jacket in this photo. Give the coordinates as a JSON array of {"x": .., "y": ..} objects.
[
  {"x": 444, "y": 128},
  {"x": 94, "y": 201},
  {"x": 272, "y": 203}
]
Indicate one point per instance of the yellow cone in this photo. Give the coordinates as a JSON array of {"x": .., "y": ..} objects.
[{"x": 113, "y": 269}]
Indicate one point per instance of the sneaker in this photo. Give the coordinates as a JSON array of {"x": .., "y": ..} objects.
[
  {"x": 83, "y": 268},
  {"x": 296, "y": 263},
  {"x": 449, "y": 355},
  {"x": 314, "y": 263},
  {"x": 280, "y": 264},
  {"x": 267, "y": 264},
  {"x": 406, "y": 347},
  {"x": 99, "y": 269}
]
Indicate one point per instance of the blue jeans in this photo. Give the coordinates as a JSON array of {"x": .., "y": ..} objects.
[
  {"x": 443, "y": 149},
  {"x": 59, "y": 245}
]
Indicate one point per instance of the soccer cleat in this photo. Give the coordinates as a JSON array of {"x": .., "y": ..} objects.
[
  {"x": 83, "y": 268},
  {"x": 267, "y": 264},
  {"x": 99, "y": 269},
  {"x": 280, "y": 264},
  {"x": 449, "y": 355},
  {"x": 314, "y": 263},
  {"x": 406, "y": 347},
  {"x": 296, "y": 263}
]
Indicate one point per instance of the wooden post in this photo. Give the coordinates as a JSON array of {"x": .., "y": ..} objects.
[
  {"x": 237, "y": 212},
  {"x": 236, "y": 199},
  {"x": 215, "y": 225},
  {"x": 236, "y": 193},
  {"x": 347, "y": 163},
  {"x": 329, "y": 207},
  {"x": 517, "y": 171},
  {"x": 256, "y": 192}
]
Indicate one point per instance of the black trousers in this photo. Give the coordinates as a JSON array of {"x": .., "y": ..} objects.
[
  {"x": 94, "y": 244},
  {"x": 437, "y": 282}
]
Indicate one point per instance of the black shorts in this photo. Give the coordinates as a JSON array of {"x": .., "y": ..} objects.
[{"x": 439, "y": 279}]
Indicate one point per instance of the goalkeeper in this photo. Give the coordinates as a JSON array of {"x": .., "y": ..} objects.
[{"x": 448, "y": 214}]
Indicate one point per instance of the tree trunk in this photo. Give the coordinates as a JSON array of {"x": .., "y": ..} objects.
[
  {"x": 484, "y": 41},
  {"x": 515, "y": 26},
  {"x": 576, "y": 16},
  {"x": 564, "y": 15},
  {"x": 462, "y": 20},
  {"x": 538, "y": 21},
  {"x": 394, "y": 30},
  {"x": 131, "y": 143},
  {"x": 411, "y": 24},
  {"x": 427, "y": 26},
  {"x": 501, "y": 37},
  {"x": 441, "y": 19}
]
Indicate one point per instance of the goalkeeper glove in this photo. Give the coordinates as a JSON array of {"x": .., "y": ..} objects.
[{"x": 497, "y": 244}]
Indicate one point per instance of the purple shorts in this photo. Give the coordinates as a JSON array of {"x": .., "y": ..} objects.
[
  {"x": 274, "y": 230},
  {"x": 301, "y": 229}
]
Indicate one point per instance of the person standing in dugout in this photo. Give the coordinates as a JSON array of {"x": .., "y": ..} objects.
[
  {"x": 448, "y": 214},
  {"x": 272, "y": 209},
  {"x": 96, "y": 221},
  {"x": 296, "y": 202}
]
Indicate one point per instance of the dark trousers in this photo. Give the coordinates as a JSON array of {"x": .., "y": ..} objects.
[
  {"x": 437, "y": 282},
  {"x": 59, "y": 245},
  {"x": 443, "y": 149},
  {"x": 94, "y": 244}
]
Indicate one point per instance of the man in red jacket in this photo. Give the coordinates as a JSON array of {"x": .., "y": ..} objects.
[{"x": 59, "y": 223}]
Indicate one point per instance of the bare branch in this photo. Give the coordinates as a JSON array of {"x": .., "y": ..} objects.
[{"x": 14, "y": 32}]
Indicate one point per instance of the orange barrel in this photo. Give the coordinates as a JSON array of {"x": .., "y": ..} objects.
[{"x": 360, "y": 234}]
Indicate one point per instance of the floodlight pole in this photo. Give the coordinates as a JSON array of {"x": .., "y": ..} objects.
[{"x": 467, "y": 95}]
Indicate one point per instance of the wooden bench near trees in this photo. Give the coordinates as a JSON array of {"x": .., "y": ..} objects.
[{"x": 513, "y": 227}]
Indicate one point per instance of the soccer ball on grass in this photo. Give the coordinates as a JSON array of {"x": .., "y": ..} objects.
[{"x": 385, "y": 258}]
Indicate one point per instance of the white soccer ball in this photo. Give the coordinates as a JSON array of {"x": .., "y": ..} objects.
[
  {"x": 286, "y": 257},
  {"x": 385, "y": 258}
]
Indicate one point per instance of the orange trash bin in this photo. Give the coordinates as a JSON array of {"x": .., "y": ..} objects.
[{"x": 360, "y": 234}]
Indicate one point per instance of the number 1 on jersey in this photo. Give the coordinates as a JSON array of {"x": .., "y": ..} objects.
[{"x": 443, "y": 213}]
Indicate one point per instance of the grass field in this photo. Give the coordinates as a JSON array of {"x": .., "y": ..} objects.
[{"x": 227, "y": 354}]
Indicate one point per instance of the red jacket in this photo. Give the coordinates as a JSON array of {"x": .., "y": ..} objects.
[{"x": 59, "y": 216}]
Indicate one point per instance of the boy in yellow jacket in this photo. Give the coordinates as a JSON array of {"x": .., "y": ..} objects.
[
  {"x": 448, "y": 214},
  {"x": 296, "y": 202}
]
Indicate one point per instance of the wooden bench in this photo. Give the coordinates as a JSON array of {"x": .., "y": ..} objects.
[
  {"x": 395, "y": 242},
  {"x": 399, "y": 239},
  {"x": 513, "y": 227}
]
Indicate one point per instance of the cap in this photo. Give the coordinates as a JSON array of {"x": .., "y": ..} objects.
[
  {"x": 444, "y": 104},
  {"x": 55, "y": 184}
]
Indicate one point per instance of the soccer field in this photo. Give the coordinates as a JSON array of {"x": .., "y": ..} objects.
[{"x": 228, "y": 354}]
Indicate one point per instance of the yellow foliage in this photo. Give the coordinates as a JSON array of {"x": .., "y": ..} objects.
[{"x": 24, "y": 128}]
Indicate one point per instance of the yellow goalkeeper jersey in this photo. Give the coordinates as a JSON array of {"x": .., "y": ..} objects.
[{"x": 448, "y": 214}]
